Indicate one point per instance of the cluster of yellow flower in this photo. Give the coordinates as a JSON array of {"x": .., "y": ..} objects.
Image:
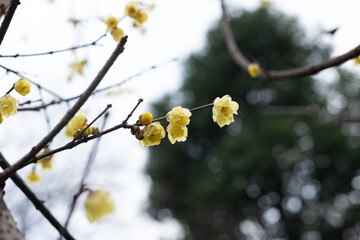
[
  {"x": 178, "y": 118},
  {"x": 111, "y": 23},
  {"x": 8, "y": 104},
  {"x": 98, "y": 204},
  {"x": 77, "y": 124},
  {"x": 140, "y": 15}
]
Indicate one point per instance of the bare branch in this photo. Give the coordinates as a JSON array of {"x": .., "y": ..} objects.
[
  {"x": 37, "y": 202},
  {"x": 55, "y": 51},
  {"x": 84, "y": 97},
  {"x": 311, "y": 69},
  {"x": 8, "y": 17},
  {"x": 37, "y": 108}
]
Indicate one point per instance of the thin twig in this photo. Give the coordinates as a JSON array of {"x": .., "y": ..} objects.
[
  {"x": 70, "y": 113},
  {"x": 10, "y": 90},
  {"x": 86, "y": 172},
  {"x": 33, "y": 82},
  {"x": 131, "y": 113},
  {"x": 8, "y": 17},
  {"x": 54, "y": 51},
  {"x": 191, "y": 110},
  {"x": 37, "y": 202},
  {"x": 37, "y": 108},
  {"x": 92, "y": 122},
  {"x": 308, "y": 70}
]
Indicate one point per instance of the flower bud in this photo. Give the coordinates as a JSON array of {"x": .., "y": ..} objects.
[{"x": 146, "y": 118}]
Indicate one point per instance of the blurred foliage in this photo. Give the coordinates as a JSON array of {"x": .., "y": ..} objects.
[{"x": 262, "y": 177}]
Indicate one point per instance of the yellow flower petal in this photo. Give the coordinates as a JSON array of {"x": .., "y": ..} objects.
[
  {"x": 178, "y": 116},
  {"x": 153, "y": 133},
  {"x": 177, "y": 133},
  {"x": 117, "y": 34},
  {"x": 75, "y": 124},
  {"x": 131, "y": 9},
  {"x": 357, "y": 60},
  {"x": 22, "y": 86},
  {"x": 33, "y": 177},
  {"x": 8, "y": 105},
  {"x": 111, "y": 22},
  {"x": 223, "y": 110},
  {"x": 98, "y": 204}
]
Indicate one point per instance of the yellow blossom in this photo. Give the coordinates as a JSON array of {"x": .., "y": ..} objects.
[
  {"x": 33, "y": 177},
  {"x": 131, "y": 9},
  {"x": 357, "y": 60},
  {"x": 76, "y": 123},
  {"x": 146, "y": 118},
  {"x": 22, "y": 86},
  {"x": 178, "y": 116},
  {"x": 8, "y": 105},
  {"x": 265, "y": 3},
  {"x": 141, "y": 17},
  {"x": 253, "y": 69},
  {"x": 78, "y": 67},
  {"x": 86, "y": 133},
  {"x": 117, "y": 34},
  {"x": 177, "y": 133},
  {"x": 223, "y": 110},
  {"x": 98, "y": 204},
  {"x": 111, "y": 23},
  {"x": 153, "y": 133},
  {"x": 46, "y": 162}
]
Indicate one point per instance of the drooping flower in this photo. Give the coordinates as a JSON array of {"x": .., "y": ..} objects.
[
  {"x": 111, "y": 22},
  {"x": 117, "y": 34},
  {"x": 253, "y": 69},
  {"x": 78, "y": 67},
  {"x": 146, "y": 118},
  {"x": 98, "y": 204},
  {"x": 178, "y": 116},
  {"x": 223, "y": 110},
  {"x": 141, "y": 17},
  {"x": 33, "y": 177},
  {"x": 131, "y": 9},
  {"x": 45, "y": 162},
  {"x": 76, "y": 123},
  {"x": 22, "y": 86},
  {"x": 153, "y": 133},
  {"x": 177, "y": 133},
  {"x": 8, "y": 105}
]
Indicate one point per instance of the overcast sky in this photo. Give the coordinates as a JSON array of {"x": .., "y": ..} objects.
[{"x": 175, "y": 30}]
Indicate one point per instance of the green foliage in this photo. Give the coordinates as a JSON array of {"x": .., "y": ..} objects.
[{"x": 235, "y": 182}]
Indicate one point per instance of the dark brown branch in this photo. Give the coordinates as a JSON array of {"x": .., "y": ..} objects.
[
  {"x": 308, "y": 111},
  {"x": 8, "y": 17},
  {"x": 131, "y": 113},
  {"x": 311, "y": 69},
  {"x": 54, "y": 51},
  {"x": 84, "y": 97},
  {"x": 37, "y": 108},
  {"x": 37, "y": 202}
]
